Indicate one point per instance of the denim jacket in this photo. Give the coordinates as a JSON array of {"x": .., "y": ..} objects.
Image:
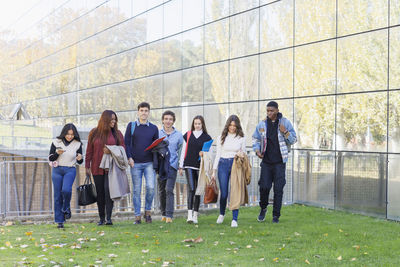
[{"x": 285, "y": 142}]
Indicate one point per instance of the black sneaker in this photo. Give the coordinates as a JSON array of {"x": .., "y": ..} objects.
[
  {"x": 261, "y": 216},
  {"x": 60, "y": 226},
  {"x": 67, "y": 214},
  {"x": 100, "y": 223},
  {"x": 109, "y": 222},
  {"x": 275, "y": 219}
]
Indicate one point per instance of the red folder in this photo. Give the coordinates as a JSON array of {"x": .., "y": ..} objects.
[{"x": 155, "y": 143}]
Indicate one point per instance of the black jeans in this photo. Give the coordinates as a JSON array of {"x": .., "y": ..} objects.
[
  {"x": 104, "y": 202},
  {"x": 272, "y": 173},
  {"x": 166, "y": 193},
  {"x": 192, "y": 177}
]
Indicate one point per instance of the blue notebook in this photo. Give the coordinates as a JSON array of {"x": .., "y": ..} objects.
[{"x": 206, "y": 146}]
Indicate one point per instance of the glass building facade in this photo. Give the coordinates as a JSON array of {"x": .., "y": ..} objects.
[{"x": 332, "y": 65}]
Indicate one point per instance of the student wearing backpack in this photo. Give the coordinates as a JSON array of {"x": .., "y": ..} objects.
[
  {"x": 193, "y": 141},
  {"x": 138, "y": 136}
]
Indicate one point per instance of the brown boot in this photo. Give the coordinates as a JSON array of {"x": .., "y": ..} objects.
[
  {"x": 138, "y": 220},
  {"x": 147, "y": 217}
]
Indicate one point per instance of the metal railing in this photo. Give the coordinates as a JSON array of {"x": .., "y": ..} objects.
[{"x": 26, "y": 189}]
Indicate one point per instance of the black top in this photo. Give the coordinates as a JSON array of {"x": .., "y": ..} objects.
[
  {"x": 194, "y": 146},
  {"x": 54, "y": 156},
  {"x": 273, "y": 153}
]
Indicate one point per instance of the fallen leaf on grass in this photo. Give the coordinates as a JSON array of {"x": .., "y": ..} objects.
[
  {"x": 339, "y": 258},
  {"x": 23, "y": 246},
  {"x": 296, "y": 234},
  {"x": 306, "y": 261},
  {"x": 357, "y": 247},
  {"x": 353, "y": 259},
  {"x": 8, "y": 244},
  {"x": 71, "y": 260},
  {"x": 262, "y": 259},
  {"x": 145, "y": 250},
  {"x": 42, "y": 240},
  {"x": 18, "y": 239},
  {"x": 113, "y": 255},
  {"x": 101, "y": 233},
  {"x": 216, "y": 243},
  {"x": 198, "y": 240},
  {"x": 8, "y": 223},
  {"x": 248, "y": 246},
  {"x": 231, "y": 242},
  {"x": 28, "y": 233},
  {"x": 340, "y": 230},
  {"x": 116, "y": 243},
  {"x": 275, "y": 259},
  {"x": 256, "y": 240}
]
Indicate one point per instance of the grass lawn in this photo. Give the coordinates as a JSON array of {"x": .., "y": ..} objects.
[{"x": 305, "y": 235}]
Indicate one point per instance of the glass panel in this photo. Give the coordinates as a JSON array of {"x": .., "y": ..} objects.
[
  {"x": 192, "y": 47},
  {"x": 216, "y": 83},
  {"x": 276, "y": 82},
  {"x": 362, "y": 62},
  {"x": 314, "y": 178},
  {"x": 192, "y": 82},
  {"x": 92, "y": 101},
  {"x": 149, "y": 90},
  {"x": 154, "y": 24},
  {"x": 361, "y": 15},
  {"x": 361, "y": 183},
  {"x": 193, "y": 13},
  {"x": 315, "y": 69},
  {"x": 244, "y": 79},
  {"x": 315, "y": 20},
  {"x": 244, "y": 34},
  {"x": 154, "y": 58},
  {"x": 114, "y": 99},
  {"x": 215, "y": 117},
  {"x": 172, "y": 17},
  {"x": 69, "y": 104},
  {"x": 237, "y": 6},
  {"x": 394, "y": 12},
  {"x": 394, "y": 122},
  {"x": 138, "y": 6},
  {"x": 315, "y": 122},
  {"x": 276, "y": 25},
  {"x": 394, "y": 70},
  {"x": 216, "y": 9},
  {"x": 263, "y": 2},
  {"x": 172, "y": 53},
  {"x": 361, "y": 122},
  {"x": 393, "y": 208},
  {"x": 172, "y": 89},
  {"x": 245, "y": 112},
  {"x": 217, "y": 41},
  {"x": 140, "y": 62}
]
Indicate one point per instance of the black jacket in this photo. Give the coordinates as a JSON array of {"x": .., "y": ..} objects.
[{"x": 161, "y": 157}]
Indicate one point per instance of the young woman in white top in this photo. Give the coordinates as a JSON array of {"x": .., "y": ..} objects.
[
  {"x": 65, "y": 153},
  {"x": 229, "y": 144}
]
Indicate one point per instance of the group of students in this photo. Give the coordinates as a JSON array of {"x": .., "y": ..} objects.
[{"x": 185, "y": 152}]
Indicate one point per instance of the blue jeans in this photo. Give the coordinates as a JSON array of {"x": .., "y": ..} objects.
[
  {"x": 150, "y": 176},
  {"x": 224, "y": 175},
  {"x": 63, "y": 178}
]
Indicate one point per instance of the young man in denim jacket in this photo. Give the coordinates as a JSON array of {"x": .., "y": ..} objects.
[{"x": 271, "y": 142}]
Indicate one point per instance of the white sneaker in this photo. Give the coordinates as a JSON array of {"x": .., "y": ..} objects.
[
  {"x": 234, "y": 223},
  {"x": 195, "y": 214},
  {"x": 190, "y": 216},
  {"x": 220, "y": 219}
]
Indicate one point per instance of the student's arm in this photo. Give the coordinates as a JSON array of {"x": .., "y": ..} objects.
[
  {"x": 53, "y": 156},
  {"x": 290, "y": 135},
  {"x": 256, "y": 138},
  {"x": 128, "y": 141},
  {"x": 217, "y": 157},
  {"x": 79, "y": 158},
  {"x": 89, "y": 156}
]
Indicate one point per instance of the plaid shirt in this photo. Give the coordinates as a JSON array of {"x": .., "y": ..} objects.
[{"x": 285, "y": 141}]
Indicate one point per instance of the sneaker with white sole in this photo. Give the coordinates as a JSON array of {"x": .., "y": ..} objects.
[
  {"x": 220, "y": 219},
  {"x": 234, "y": 223},
  {"x": 194, "y": 218},
  {"x": 190, "y": 216}
]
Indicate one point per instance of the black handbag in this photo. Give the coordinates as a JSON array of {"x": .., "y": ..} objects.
[{"x": 87, "y": 192}]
